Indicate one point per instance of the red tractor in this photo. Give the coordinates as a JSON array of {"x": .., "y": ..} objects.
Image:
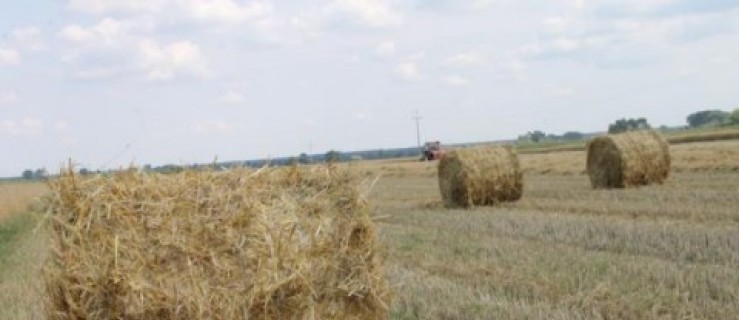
[{"x": 432, "y": 151}]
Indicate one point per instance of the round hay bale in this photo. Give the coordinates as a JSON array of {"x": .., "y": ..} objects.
[
  {"x": 480, "y": 176},
  {"x": 628, "y": 160}
]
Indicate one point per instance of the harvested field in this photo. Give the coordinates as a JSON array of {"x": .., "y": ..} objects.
[
  {"x": 564, "y": 251},
  {"x": 693, "y": 157},
  {"x": 16, "y": 196},
  {"x": 22, "y": 251},
  {"x": 698, "y": 157}
]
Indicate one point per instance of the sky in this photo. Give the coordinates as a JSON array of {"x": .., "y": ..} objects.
[{"x": 109, "y": 83}]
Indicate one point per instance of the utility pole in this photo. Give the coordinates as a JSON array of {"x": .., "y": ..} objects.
[{"x": 417, "y": 117}]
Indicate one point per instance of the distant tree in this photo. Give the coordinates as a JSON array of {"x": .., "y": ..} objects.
[
  {"x": 333, "y": 156},
  {"x": 734, "y": 117},
  {"x": 27, "y": 174},
  {"x": 84, "y": 171},
  {"x": 537, "y": 136},
  {"x": 708, "y": 118},
  {"x": 147, "y": 167},
  {"x": 303, "y": 158},
  {"x": 624, "y": 125},
  {"x": 573, "y": 135},
  {"x": 40, "y": 173},
  {"x": 381, "y": 153},
  {"x": 170, "y": 168}
]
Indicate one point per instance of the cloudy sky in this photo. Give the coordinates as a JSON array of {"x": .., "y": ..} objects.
[{"x": 110, "y": 82}]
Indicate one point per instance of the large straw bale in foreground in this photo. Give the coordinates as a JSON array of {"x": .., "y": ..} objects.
[
  {"x": 628, "y": 159},
  {"x": 480, "y": 176},
  {"x": 270, "y": 244}
]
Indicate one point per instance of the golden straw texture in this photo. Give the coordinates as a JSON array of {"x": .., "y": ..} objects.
[
  {"x": 268, "y": 244},
  {"x": 628, "y": 160},
  {"x": 480, "y": 176}
]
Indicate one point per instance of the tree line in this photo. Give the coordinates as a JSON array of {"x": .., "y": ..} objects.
[{"x": 700, "y": 119}]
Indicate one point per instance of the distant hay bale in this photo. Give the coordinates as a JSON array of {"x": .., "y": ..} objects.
[
  {"x": 268, "y": 244},
  {"x": 480, "y": 176},
  {"x": 628, "y": 160}
]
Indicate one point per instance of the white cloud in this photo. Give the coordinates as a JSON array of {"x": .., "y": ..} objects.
[
  {"x": 29, "y": 38},
  {"x": 565, "y": 44},
  {"x": 530, "y": 49},
  {"x": 227, "y": 11},
  {"x": 115, "y": 43},
  {"x": 307, "y": 23},
  {"x": 468, "y": 59},
  {"x": 408, "y": 71},
  {"x": 517, "y": 68},
  {"x": 218, "y": 127},
  {"x": 456, "y": 81},
  {"x": 554, "y": 47},
  {"x": 372, "y": 13},
  {"x": 165, "y": 62},
  {"x": 108, "y": 32},
  {"x": 96, "y": 73},
  {"x": 362, "y": 116},
  {"x": 69, "y": 141},
  {"x": 577, "y": 4},
  {"x": 385, "y": 49},
  {"x": 75, "y": 33},
  {"x": 24, "y": 127},
  {"x": 108, "y": 6},
  {"x": 354, "y": 58},
  {"x": 310, "y": 122},
  {"x": 9, "y": 98},
  {"x": 556, "y": 24},
  {"x": 232, "y": 97},
  {"x": 61, "y": 126},
  {"x": 9, "y": 57},
  {"x": 420, "y": 55},
  {"x": 215, "y": 12},
  {"x": 638, "y": 6},
  {"x": 686, "y": 72}
]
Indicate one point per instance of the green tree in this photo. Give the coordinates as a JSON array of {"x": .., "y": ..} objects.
[
  {"x": 333, "y": 156},
  {"x": 40, "y": 173},
  {"x": 734, "y": 117},
  {"x": 303, "y": 158},
  {"x": 27, "y": 174},
  {"x": 624, "y": 125},
  {"x": 708, "y": 118},
  {"x": 573, "y": 135},
  {"x": 537, "y": 136}
]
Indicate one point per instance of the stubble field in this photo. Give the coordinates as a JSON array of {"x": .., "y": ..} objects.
[{"x": 564, "y": 251}]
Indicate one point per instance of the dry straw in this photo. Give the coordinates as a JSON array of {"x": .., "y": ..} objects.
[
  {"x": 268, "y": 244},
  {"x": 628, "y": 160},
  {"x": 480, "y": 176}
]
